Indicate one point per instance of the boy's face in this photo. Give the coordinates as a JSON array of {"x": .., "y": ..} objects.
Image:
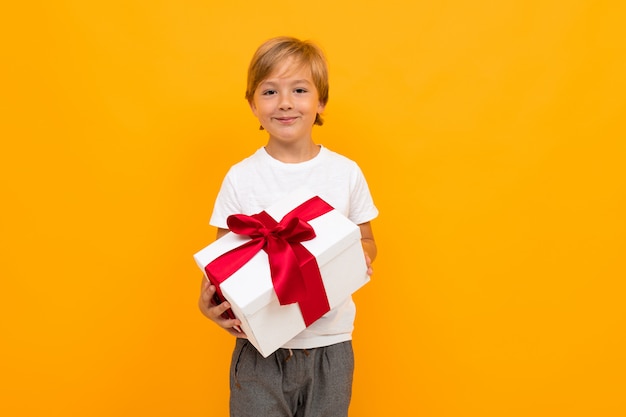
[{"x": 287, "y": 102}]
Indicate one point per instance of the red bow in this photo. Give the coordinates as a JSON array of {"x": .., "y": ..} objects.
[{"x": 295, "y": 273}]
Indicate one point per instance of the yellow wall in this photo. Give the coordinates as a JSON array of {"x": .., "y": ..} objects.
[{"x": 492, "y": 135}]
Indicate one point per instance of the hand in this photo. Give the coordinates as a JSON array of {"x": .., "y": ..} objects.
[
  {"x": 214, "y": 311},
  {"x": 368, "y": 262}
]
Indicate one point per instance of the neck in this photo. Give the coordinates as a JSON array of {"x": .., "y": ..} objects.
[{"x": 292, "y": 153}]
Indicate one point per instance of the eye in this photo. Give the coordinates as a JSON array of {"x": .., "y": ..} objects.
[
  {"x": 268, "y": 92},
  {"x": 300, "y": 90}
]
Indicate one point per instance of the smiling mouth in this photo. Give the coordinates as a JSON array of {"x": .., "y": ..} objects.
[{"x": 286, "y": 119}]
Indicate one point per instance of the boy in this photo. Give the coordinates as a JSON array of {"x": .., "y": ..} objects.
[{"x": 311, "y": 375}]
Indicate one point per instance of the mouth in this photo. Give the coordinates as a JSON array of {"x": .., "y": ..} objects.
[{"x": 285, "y": 120}]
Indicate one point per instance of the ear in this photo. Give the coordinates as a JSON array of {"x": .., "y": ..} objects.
[
  {"x": 253, "y": 107},
  {"x": 320, "y": 108}
]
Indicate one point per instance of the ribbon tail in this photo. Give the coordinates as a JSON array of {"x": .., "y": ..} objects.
[
  {"x": 314, "y": 304},
  {"x": 287, "y": 277}
]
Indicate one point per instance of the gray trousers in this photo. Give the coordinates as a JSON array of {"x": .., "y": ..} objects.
[{"x": 291, "y": 382}]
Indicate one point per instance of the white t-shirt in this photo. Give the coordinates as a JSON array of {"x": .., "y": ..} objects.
[{"x": 258, "y": 181}]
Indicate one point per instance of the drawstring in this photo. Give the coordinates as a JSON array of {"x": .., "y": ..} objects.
[
  {"x": 237, "y": 384},
  {"x": 305, "y": 351}
]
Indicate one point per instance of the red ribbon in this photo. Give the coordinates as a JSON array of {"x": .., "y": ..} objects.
[{"x": 295, "y": 274}]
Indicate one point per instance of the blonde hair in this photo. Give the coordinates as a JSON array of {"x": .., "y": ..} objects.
[{"x": 276, "y": 50}]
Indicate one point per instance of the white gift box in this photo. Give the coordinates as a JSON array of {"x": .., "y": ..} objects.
[{"x": 339, "y": 255}]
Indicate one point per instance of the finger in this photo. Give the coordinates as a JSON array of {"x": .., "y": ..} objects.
[
  {"x": 208, "y": 293},
  {"x": 205, "y": 283},
  {"x": 237, "y": 333},
  {"x": 233, "y": 326},
  {"x": 206, "y": 301},
  {"x": 221, "y": 317},
  {"x": 207, "y": 286},
  {"x": 220, "y": 309}
]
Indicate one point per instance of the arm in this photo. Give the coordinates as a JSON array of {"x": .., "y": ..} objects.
[
  {"x": 214, "y": 311},
  {"x": 369, "y": 245}
]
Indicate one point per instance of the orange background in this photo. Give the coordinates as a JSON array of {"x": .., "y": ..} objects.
[{"x": 493, "y": 138}]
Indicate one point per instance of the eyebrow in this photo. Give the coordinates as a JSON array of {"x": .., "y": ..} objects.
[{"x": 273, "y": 83}]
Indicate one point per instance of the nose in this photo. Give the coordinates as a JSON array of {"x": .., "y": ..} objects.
[{"x": 285, "y": 102}]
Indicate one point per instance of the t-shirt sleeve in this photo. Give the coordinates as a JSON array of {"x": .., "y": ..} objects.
[
  {"x": 362, "y": 208},
  {"x": 226, "y": 203}
]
